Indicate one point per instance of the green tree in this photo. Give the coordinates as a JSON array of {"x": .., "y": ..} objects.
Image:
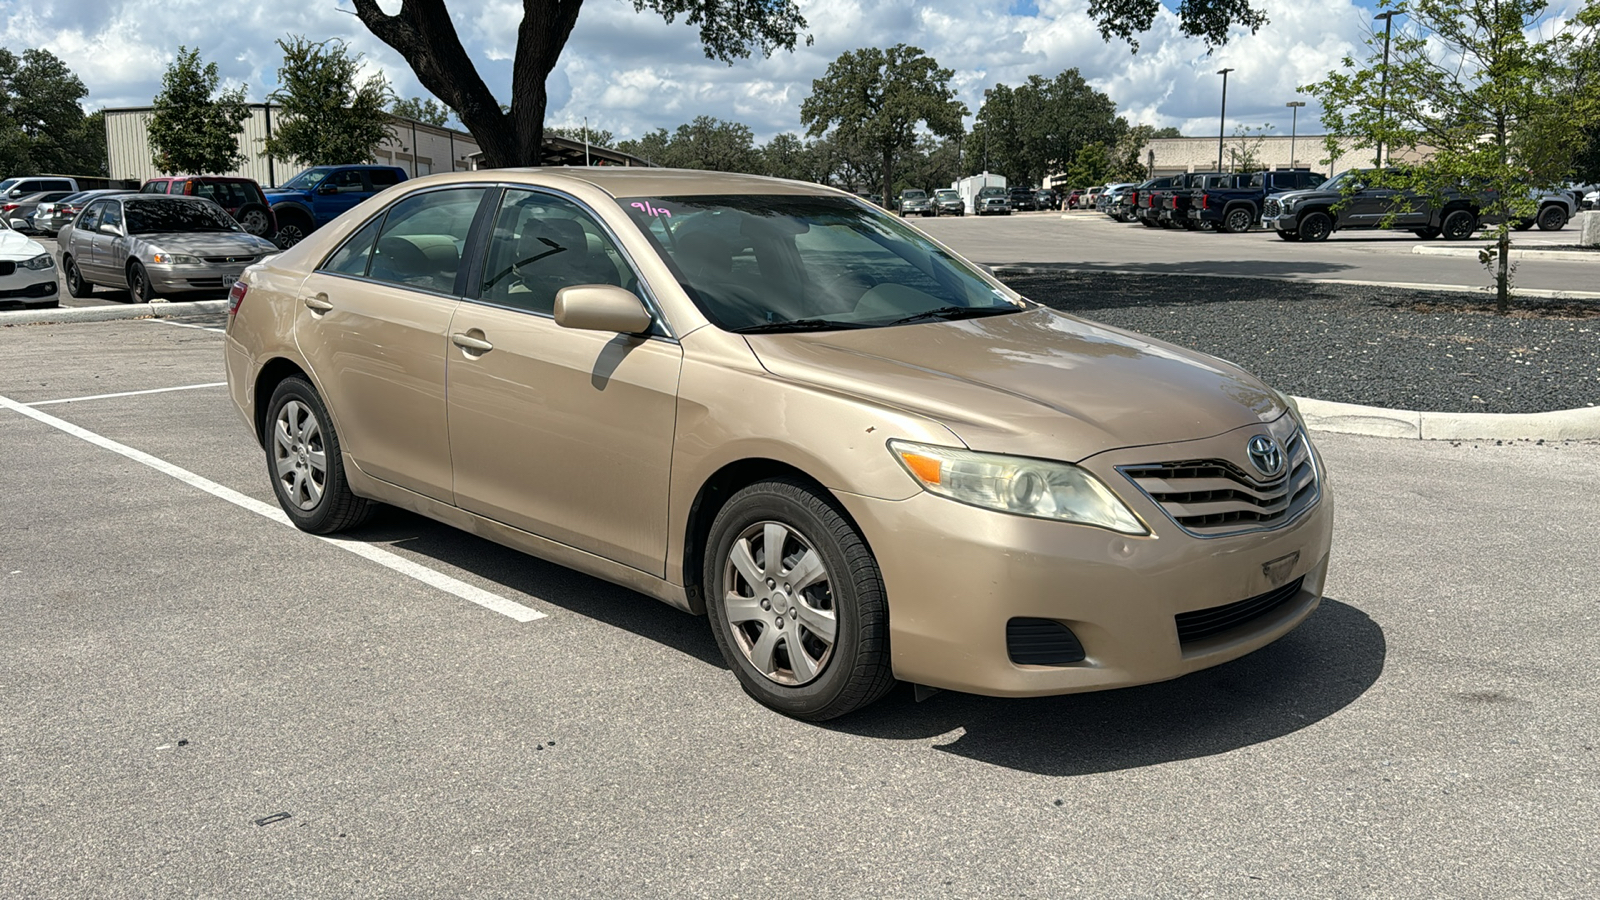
[
  {"x": 1490, "y": 87},
  {"x": 1038, "y": 128},
  {"x": 40, "y": 119},
  {"x": 193, "y": 128},
  {"x": 714, "y": 145},
  {"x": 877, "y": 98},
  {"x": 1092, "y": 165},
  {"x": 785, "y": 157},
  {"x": 329, "y": 118},
  {"x": 424, "y": 35},
  {"x": 1208, "y": 20},
  {"x": 428, "y": 111},
  {"x": 598, "y": 137},
  {"x": 1244, "y": 148}
]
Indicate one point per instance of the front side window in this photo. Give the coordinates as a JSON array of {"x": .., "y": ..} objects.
[
  {"x": 787, "y": 263},
  {"x": 542, "y": 243},
  {"x": 422, "y": 238}
]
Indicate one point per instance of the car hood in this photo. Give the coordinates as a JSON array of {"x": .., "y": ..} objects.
[
  {"x": 14, "y": 246},
  {"x": 206, "y": 243},
  {"x": 1035, "y": 383},
  {"x": 276, "y": 194}
]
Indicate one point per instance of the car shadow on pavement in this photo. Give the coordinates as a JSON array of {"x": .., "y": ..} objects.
[
  {"x": 1309, "y": 675},
  {"x": 556, "y": 585},
  {"x": 1255, "y": 268}
]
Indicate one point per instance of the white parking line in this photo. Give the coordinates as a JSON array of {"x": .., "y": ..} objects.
[
  {"x": 189, "y": 325},
  {"x": 185, "y": 387},
  {"x": 443, "y": 582}
]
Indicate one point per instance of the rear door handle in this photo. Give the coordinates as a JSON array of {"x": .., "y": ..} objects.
[
  {"x": 467, "y": 342},
  {"x": 319, "y": 303}
]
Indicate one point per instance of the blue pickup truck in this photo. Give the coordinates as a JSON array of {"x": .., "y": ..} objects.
[
  {"x": 321, "y": 194},
  {"x": 1234, "y": 208}
]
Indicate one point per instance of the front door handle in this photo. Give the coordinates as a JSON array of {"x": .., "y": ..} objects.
[
  {"x": 319, "y": 303},
  {"x": 468, "y": 342}
]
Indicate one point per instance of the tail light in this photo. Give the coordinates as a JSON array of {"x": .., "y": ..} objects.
[
  {"x": 188, "y": 188},
  {"x": 236, "y": 297},
  {"x": 9, "y": 207},
  {"x": 1205, "y": 201}
]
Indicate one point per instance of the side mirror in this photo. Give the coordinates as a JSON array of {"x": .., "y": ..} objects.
[
  {"x": 108, "y": 228},
  {"x": 601, "y": 307},
  {"x": 328, "y": 189},
  {"x": 18, "y": 224}
]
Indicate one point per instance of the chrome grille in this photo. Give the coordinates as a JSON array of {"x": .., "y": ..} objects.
[
  {"x": 1214, "y": 497},
  {"x": 1269, "y": 208}
]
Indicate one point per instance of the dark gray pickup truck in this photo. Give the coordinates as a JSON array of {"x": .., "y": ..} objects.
[{"x": 1348, "y": 201}]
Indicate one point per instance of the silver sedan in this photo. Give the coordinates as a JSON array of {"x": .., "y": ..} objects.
[{"x": 156, "y": 246}]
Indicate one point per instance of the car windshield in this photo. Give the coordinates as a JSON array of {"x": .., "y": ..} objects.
[
  {"x": 947, "y": 195},
  {"x": 8, "y": 184},
  {"x": 913, "y": 195},
  {"x": 992, "y": 192},
  {"x": 790, "y": 263},
  {"x": 167, "y": 216},
  {"x": 306, "y": 180}
]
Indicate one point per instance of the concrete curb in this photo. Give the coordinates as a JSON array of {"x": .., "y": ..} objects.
[
  {"x": 1472, "y": 253},
  {"x": 1375, "y": 421},
  {"x": 69, "y": 314},
  {"x": 999, "y": 268}
]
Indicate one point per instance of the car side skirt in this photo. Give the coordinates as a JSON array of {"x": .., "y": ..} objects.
[{"x": 364, "y": 485}]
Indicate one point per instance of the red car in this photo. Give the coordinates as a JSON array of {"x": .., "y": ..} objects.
[
  {"x": 1073, "y": 197},
  {"x": 241, "y": 197}
]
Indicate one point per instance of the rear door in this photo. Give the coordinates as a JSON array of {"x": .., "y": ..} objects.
[{"x": 372, "y": 323}]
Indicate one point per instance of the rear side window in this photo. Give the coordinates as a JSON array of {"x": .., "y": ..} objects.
[
  {"x": 347, "y": 182},
  {"x": 90, "y": 218},
  {"x": 226, "y": 194},
  {"x": 382, "y": 178},
  {"x": 154, "y": 187},
  {"x": 422, "y": 238},
  {"x": 352, "y": 258}
]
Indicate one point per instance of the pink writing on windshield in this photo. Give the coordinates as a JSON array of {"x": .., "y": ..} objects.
[{"x": 650, "y": 210}]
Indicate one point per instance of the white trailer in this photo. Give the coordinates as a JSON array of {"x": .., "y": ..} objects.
[{"x": 969, "y": 187}]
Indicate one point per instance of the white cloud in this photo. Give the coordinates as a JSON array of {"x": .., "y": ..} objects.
[{"x": 631, "y": 72}]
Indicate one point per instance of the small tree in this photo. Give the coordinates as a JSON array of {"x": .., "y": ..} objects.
[
  {"x": 876, "y": 98},
  {"x": 1487, "y": 85},
  {"x": 1244, "y": 149},
  {"x": 329, "y": 118},
  {"x": 193, "y": 128},
  {"x": 428, "y": 111}
]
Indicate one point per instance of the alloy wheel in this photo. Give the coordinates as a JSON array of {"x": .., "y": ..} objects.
[
  {"x": 1239, "y": 221},
  {"x": 779, "y": 603},
  {"x": 300, "y": 459},
  {"x": 289, "y": 235}
]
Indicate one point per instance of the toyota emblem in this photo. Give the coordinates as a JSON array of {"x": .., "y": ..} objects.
[{"x": 1266, "y": 456}]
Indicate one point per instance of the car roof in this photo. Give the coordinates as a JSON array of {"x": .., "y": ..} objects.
[{"x": 625, "y": 181}]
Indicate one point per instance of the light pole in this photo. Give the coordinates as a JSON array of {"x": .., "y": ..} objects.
[
  {"x": 586, "y": 140},
  {"x": 1222, "y": 122},
  {"x": 1294, "y": 123},
  {"x": 1383, "y": 87}
]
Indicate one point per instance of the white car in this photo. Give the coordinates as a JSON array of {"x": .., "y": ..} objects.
[
  {"x": 1591, "y": 200},
  {"x": 27, "y": 271}
]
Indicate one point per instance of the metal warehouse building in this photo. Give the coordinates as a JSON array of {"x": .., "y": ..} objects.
[{"x": 418, "y": 148}]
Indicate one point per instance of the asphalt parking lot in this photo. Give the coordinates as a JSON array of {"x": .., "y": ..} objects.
[{"x": 203, "y": 701}]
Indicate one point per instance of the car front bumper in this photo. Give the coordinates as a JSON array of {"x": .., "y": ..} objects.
[
  {"x": 956, "y": 575},
  {"x": 177, "y": 279},
  {"x": 1281, "y": 222},
  {"x": 29, "y": 287}
]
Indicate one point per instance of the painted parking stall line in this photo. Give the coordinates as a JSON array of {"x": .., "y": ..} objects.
[
  {"x": 394, "y": 562},
  {"x": 165, "y": 390}
]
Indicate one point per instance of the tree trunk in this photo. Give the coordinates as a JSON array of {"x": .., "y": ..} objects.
[
  {"x": 423, "y": 34},
  {"x": 1502, "y": 277},
  {"x": 888, "y": 178}
]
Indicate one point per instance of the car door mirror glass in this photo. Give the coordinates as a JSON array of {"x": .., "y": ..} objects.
[{"x": 601, "y": 307}]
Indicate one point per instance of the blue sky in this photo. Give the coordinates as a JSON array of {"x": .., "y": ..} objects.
[{"x": 631, "y": 72}]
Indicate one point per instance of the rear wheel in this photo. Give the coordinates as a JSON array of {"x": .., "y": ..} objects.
[
  {"x": 1552, "y": 218},
  {"x": 796, "y": 602},
  {"x": 1458, "y": 225},
  {"x": 293, "y": 226},
  {"x": 256, "y": 220},
  {"x": 76, "y": 286},
  {"x": 1238, "y": 220},
  {"x": 1315, "y": 227},
  {"x": 304, "y": 463}
]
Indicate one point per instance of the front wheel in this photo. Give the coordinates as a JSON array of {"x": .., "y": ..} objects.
[
  {"x": 1459, "y": 225},
  {"x": 1552, "y": 218},
  {"x": 1316, "y": 227},
  {"x": 796, "y": 602},
  {"x": 1289, "y": 235},
  {"x": 304, "y": 463},
  {"x": 1238, "y": 221},
  {"x": 139, "y": 283}
]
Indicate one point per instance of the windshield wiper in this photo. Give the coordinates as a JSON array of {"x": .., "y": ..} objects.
[
  {"x": 954, "y": 312},
  {"x": 797, "y": 325}
]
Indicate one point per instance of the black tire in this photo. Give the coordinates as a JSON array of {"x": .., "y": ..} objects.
[
  {"x": 139, "y": 283},
  {"x": 1315, "y": 227},
  {"x": 1552, "y": 218},
  {"x": 1458, "y": 225},
  {"x": 76, "y": 286},
  {"x": 1237, "y": 220},
  {"x": 1523, "y": 225},
  {"x": 1289, "y": 235},
  {"x": 1426, "y": 234},
  {"x": 257, "y": 220},
  {"x": 1148, "y": 224},
  {"x": 855, "y": 671},
  {"x": 335, "y": 508},
  {"x": 293, "y": 226}
]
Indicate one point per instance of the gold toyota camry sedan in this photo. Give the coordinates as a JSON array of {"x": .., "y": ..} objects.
[{"x": 865, "y": 459}]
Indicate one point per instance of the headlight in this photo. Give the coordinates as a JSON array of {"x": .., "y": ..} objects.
[
  {"x": 42, "y": 261},
  {"x": 1291, "y": 403},
  {"x": 1014, "y": 484},
  {"x": 175, "y": 259},
  {"x": 1286, "y": 205}
]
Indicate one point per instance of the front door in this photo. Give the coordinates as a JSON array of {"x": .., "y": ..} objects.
[
  {"x": 373, "y": 324},
  {"x": 563, "y": 433}
]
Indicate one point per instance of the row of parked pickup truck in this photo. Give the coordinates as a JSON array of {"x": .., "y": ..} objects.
[{"x": 1300, "y": 204}]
